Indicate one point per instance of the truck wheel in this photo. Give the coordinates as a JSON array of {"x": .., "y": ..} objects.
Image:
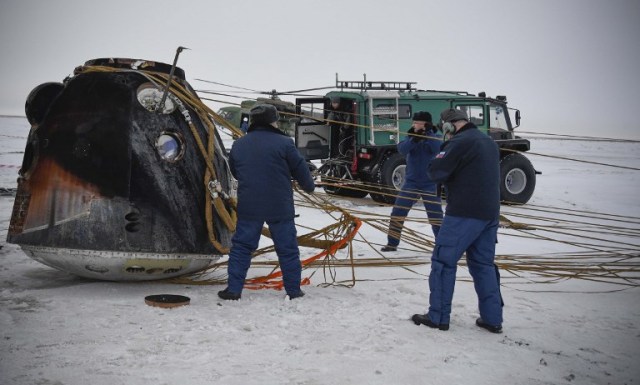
[
  {"x": 391, "y": 179},
  {"x": 346, "y": 192},
  {"x": 339, "y": 172},
  {"x": 517, "y": 179}
]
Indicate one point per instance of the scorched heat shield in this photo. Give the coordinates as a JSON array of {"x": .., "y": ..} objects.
[{"x": 116, "y": 185}]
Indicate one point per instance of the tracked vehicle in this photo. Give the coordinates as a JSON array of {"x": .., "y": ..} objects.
[{"x": 380, "y": 113}]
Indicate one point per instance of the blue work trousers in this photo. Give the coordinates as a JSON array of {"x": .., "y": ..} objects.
[
  {"x": 478, "y": 238},
  {"x": 405, "y": 200},
  {"x": 245, "y": 242}
]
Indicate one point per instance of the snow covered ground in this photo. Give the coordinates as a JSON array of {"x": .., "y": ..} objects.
[{"x": 59, "y": 329}]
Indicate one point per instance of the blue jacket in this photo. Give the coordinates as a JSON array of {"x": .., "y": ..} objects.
[
  {"x": 469, "y": 167},
  {"x": 418, "y": 154},
  {"x": 264, "y": 161}
]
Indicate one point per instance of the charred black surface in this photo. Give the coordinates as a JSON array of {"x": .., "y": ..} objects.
[
  {"x": 87, "y": 131},
  {"x": 97, "y": 131},
  {"x": 39, "y": 100}
]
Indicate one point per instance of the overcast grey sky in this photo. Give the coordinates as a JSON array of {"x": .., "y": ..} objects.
[{"x": 570, "y": 66}]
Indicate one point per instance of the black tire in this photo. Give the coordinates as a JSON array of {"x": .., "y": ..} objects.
[
  {"x": 517, "y": 179},
  {"x": 347, "y": 192},
  {"x": 390, "y": 179},
  {"x": 339, "y": 172}
]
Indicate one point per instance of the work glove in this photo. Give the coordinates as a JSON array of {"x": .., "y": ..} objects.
[
  {"x": 430, "y": 129},
  {"x": 417, "y": 137}
]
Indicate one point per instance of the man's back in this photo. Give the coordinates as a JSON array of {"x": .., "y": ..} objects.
[
  {"x": 264, "y": 161},
  {"x": 469, "y": 166}
]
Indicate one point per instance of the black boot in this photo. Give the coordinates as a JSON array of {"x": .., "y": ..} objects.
[
  {"x": 229, "y": 296},
  {"x": 491, "y": 328},
  {"x": 296, "y": 295},
  {"x": 425, "y": 320},
  {"x": 389, "y": 248}
]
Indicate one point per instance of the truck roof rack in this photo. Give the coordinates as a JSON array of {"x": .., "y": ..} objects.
[
  {"x": 364, "y": 85},
  {"x": 462, "y": 93}
]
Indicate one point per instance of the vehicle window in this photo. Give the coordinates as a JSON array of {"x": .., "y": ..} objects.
[
  {"x": 404, "y": 111},
  {"x": 498, "y": 117},
  {"x": 227, "y": 115},
  {"x": 312, "y": 113},
  {"x": 474, "y": 112}
]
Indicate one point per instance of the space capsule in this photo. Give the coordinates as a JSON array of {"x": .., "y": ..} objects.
[{"x": 124, "y": 176}]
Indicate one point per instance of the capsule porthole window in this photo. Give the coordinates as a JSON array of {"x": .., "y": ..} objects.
[
  {"x": 170, "y": 146},
  {"x": 149, "y": 97}
]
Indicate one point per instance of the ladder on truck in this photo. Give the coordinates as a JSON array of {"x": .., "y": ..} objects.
[
  {"x": 377, "y": 90},
  {"x": 391, "y": 123}
]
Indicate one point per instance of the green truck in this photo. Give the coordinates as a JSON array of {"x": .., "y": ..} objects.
[{"x": 380, "y": 113}]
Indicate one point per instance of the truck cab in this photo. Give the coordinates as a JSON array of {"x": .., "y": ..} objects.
[{"x": 379, "y": 114}]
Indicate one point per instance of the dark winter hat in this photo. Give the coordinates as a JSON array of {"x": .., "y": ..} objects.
[
  {"x": 264, "y": 114},
  {"x": 422, "y": 116},
  {"x": 335, "y": 99},
  {"x": 453, "y": 114}
]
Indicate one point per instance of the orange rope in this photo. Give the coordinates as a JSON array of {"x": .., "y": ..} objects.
[{"x": 274, "y": 280}]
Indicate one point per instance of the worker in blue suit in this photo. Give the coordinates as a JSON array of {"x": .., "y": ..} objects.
[
  {"x": 468, "y": 166},
  {"x": 264, "y": 161},
  {"x": 419, "y": 148}
]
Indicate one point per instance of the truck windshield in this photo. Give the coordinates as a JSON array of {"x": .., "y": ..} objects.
[
  {"x": 499, "y": 117},
  {"x": 227, "y": 115}
]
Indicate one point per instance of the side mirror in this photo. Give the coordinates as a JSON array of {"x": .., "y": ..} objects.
[{"x": 518, "y": 118}]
